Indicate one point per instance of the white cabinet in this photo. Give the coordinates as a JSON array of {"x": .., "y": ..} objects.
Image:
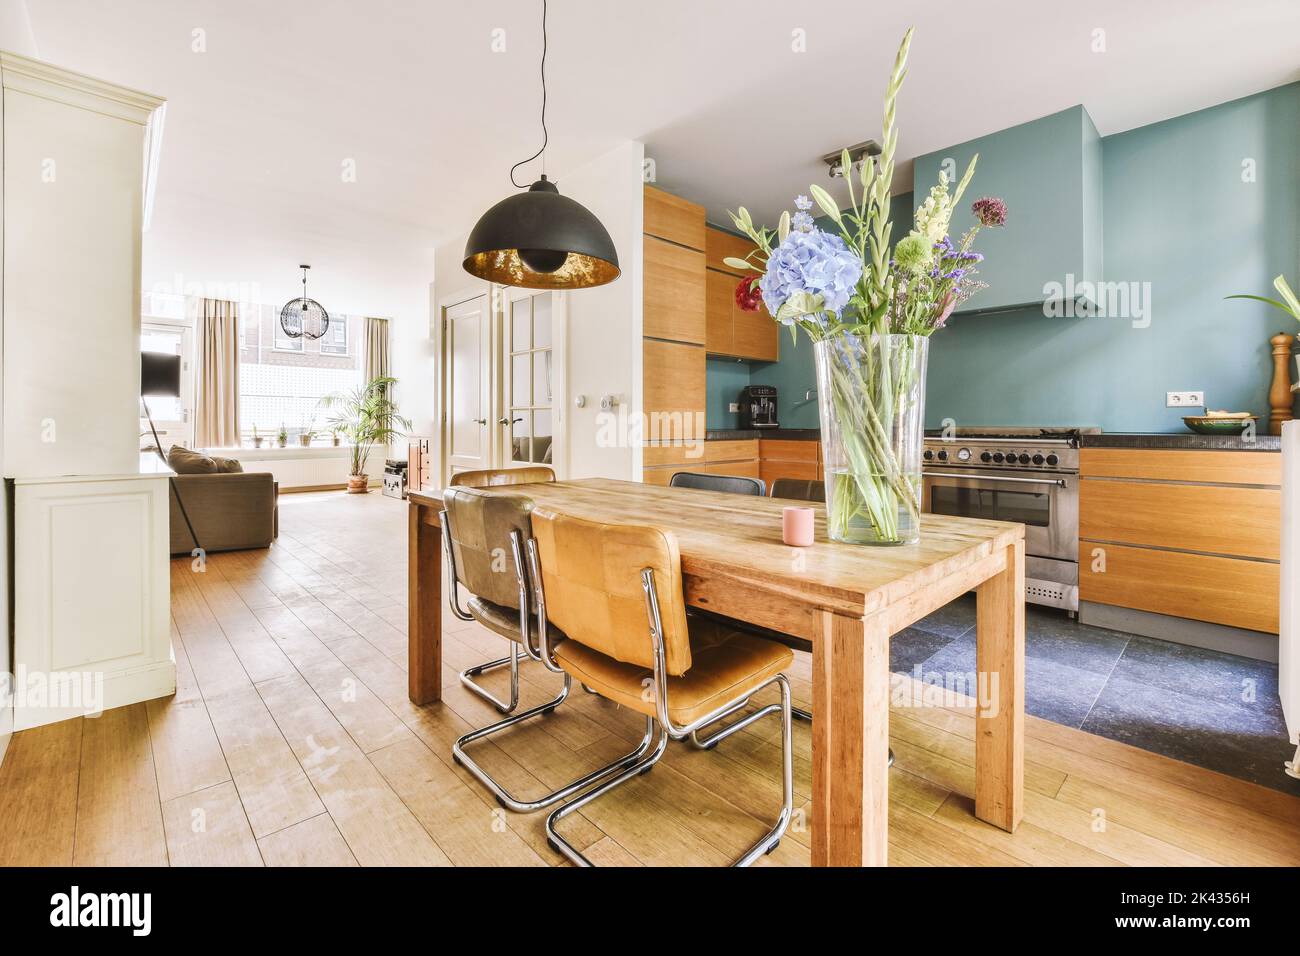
[
  {"x": 89, "y": 537},
  {"x": 92, "y": 608}
]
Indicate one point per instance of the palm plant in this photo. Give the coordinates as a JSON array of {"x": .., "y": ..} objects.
[
  {"x": 366, "y": 416},
  {"x": 1290, "y": 304}
]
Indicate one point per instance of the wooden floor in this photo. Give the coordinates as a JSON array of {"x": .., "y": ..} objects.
[{"x": 291, "y": 741}]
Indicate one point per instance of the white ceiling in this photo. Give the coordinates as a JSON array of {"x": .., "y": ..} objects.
[{"x": 259, "y": 125}]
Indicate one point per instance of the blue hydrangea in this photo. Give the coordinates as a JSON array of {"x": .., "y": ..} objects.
[{"x": 814, "y": 263}]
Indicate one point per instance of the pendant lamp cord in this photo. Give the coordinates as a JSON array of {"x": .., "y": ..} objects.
[{"x": 541, "y": 152}]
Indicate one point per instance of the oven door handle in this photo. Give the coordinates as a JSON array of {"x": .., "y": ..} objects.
[{"x": 1059, "y": 482}]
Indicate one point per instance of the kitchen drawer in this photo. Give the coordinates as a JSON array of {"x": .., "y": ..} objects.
[
  {"x": 778, "y": 449},
  {"x": 662, "y": 475},
  {"x": 744, "y": 449},
  {"x": 699, "y": 453},
  {"x": 770, "y": 471},
  {"x": 673, "y": 303},
  {"x": 1228, "y": 591},
  {"x": 1208, "y": 518},
  {"x": 1223, "y": 467},
  {"x": 673, "y": 218},
  {"x": 673, "y": 383}
]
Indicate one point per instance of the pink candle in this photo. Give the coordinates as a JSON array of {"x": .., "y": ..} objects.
[{"x": 797, "y": 526}]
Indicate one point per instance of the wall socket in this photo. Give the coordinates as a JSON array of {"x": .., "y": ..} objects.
[
  {"x": 1184, "y": 399},
  {"x": 734, "y": 407}
]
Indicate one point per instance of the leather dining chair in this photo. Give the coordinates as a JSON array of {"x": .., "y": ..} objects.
[
  {"x": 799, "y": 489},
  {"x": 501, "y": 615},
  {"x": 730, "y": 484},
  {"x": 614, "y": 592},
  {"x": 495, "y": 477}
]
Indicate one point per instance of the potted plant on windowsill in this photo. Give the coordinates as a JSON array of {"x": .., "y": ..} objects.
[
  {"x": 307, "y": 434},
  {"x": 334, "y": 437},
  {"x": 282, "y": 437},
  {"x": 366, "y": 416},
  {"x": 257, "y": 439}
]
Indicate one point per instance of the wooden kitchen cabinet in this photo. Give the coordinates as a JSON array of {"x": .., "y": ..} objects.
[
  {"x": 719, "y": 303},
  {"x": 789, "y": 458},
  {"x": 725, "y": 457},
  {"x": 673, "y": 218},
  {"x": 673, "y": 383},
  {"x": 673, "y": 292},
  {"x": 730, "y": 330},
  {"x": 1186, "y": 533}
]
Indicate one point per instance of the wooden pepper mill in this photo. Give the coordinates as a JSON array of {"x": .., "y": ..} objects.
[{"x": 1280, "y": 395}]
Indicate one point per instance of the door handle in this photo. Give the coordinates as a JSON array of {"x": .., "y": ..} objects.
[
  {"x": 508, "y": 421},
  {"x": 1059, "y": 482},
  {"x": 481, "y": 421}
]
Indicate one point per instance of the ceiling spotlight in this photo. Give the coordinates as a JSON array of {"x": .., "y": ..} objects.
[{"x": 857, "y": 156}]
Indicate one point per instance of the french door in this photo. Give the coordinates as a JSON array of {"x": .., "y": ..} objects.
[{"x": 502, "y": 371}]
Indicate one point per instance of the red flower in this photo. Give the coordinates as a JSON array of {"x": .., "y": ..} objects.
[{"x": 747, "y": 295}]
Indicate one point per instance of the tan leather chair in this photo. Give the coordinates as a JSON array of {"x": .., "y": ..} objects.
[
  {"x": 491, "y": 526},
  {"x": 614, "y": 594},
  {"x": 483, "y": 536},
  {"x": 495, "y": 477}
]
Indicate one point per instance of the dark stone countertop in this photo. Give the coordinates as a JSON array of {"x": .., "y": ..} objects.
[
  {"x": 741, "y": 434},
  {"x": 1181, "y": 440}
]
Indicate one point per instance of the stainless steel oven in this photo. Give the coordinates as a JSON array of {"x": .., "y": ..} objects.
[{"x": 1030, "y": 479}]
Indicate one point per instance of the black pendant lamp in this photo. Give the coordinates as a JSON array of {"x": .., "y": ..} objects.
[{"x": 540, "y": 239}]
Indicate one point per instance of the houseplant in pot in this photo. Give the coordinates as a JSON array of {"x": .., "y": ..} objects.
[
  {"x": 257, "y": 439},
  {"x": 366, "y": 416},
  {"x": 869, "y": 315},
  {"x": 282, "y": 436},
  {"x": 307, "y": 434}
]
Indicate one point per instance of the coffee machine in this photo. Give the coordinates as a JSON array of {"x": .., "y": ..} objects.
[{"x": 758, "y": 407}]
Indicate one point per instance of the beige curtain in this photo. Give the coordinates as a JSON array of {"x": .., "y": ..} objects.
[
  {"x": 216, "y": 422},
  {"x": 374, "y": 353}
]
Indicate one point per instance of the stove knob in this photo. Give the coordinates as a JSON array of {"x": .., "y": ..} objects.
[
  {"x": 986, "y": 457},
  {"x": 1052, "y": 460},
  {"x": 1024, "y": 459},
  {"x": 928, "y": 454},
  {"x": 943, "y": 456},
  {"x": 1038, "y": 459},
  {"x": 997, "y": 457}
]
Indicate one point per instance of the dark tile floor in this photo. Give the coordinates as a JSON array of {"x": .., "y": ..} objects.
[{"x": 1206, "y": 708}]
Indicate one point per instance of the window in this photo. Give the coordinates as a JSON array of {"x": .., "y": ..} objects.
[
  {"x": 335, "y": 339},
  {"x": 282, "y": 385},
  {"x": 529, "y": 379}
]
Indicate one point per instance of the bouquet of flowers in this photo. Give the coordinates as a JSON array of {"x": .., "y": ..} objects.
[{"x": 869, "y": 314}]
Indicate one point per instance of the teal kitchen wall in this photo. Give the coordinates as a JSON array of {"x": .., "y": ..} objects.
[
  {"x": 1199, "y": 206},
  {"x": 724, "y": 379},
  {"x": 793, "y": 373}
]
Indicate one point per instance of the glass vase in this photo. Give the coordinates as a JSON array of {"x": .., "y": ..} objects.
[{"x": 871, "y": 394}]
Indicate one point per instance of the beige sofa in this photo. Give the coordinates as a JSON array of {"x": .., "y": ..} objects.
[{"x": 230, "y": 510}]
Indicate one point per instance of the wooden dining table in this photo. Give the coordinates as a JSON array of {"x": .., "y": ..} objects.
[{"x": 845, "y": 600}]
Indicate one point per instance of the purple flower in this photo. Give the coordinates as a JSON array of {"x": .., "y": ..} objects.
[
  {"x": 803, "y": 221},
  {"x": 971, "y": 257},
  {"x": 990, "y": 211},
  {"x": 812, "y": 263},
  {"x": 802, "y": 203}
]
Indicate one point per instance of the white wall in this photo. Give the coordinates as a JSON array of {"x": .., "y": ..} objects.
[
  {"x": 603, "y": 353},
  {"x": 303, "y": 468}
]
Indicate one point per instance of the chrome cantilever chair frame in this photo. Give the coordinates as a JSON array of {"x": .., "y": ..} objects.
[
  {"x": 644, "y": 758},
  {"x": 468, "y": 674},
  {"x": 542, "y": 653}
]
